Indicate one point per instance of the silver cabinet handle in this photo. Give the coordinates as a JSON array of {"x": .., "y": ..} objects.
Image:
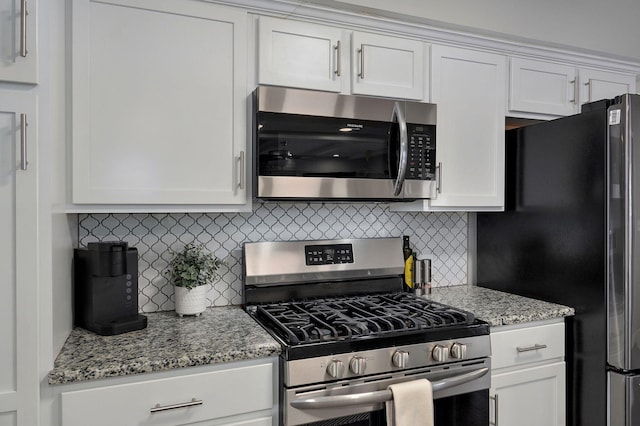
[
  {"x": 23, "y": 28},
  {"x": 361, "y": 53},
  {"x": 439, "y": 178},
  {"x": 575, "y": 96},
  {"x": 23, "y": 142},
  {"x": 158, "y": 408},
  {"x": 377, "y": 397},
  {"x": 336, "y": 48},
  {"x": 404, "y": 147},
  {"x": 241, "y": 164},
  {"x": 530, "y": 348},
  {"x": 495, "y": 410}
]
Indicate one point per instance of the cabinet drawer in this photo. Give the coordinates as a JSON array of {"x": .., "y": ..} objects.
[
  {"x": 221, "y": 393},
  {"x": 527, "y": 344}
]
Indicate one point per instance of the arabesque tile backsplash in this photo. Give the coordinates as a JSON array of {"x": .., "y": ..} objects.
[{"x": 441, "y": 237}]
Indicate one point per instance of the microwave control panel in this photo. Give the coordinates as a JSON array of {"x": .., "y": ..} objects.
[
  {"x": 328, "y": 254},
  {"x": 421, "y": 161}
]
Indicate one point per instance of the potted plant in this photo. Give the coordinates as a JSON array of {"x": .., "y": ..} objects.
[{"x": 190, "y": 270}]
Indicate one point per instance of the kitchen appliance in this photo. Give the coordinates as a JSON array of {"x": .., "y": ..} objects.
[
  {"x": 311, "y": 145},
  {"x": 570, "y": 235},
  {"x": 348, "y": 331},
  {"x": 106, "y": 288}
]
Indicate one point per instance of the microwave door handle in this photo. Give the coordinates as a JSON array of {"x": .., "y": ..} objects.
[
  {"x": 376, "y": 397},
  {"x": 404, "y": 147}
]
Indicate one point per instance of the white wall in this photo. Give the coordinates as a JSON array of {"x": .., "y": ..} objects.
[{"x": 609, "y": 27}]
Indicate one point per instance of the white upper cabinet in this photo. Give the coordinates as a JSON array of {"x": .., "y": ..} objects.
[
  {"x": 300, "y": 54},
  {"x": 387, "y": 66},
  {"x": 320, "y": 57},
  {"x": 549, "y": 88},
  {"x": 18, "y": 42},
  {"x": 468, "y": 87},
  {"x": 159, "y": 98}
]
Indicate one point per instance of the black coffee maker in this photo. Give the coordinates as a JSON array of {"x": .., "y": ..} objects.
[{"x": 106, "y": 288}]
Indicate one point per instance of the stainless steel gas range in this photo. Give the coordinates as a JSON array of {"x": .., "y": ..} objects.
[{"x": 348, "y": 331}]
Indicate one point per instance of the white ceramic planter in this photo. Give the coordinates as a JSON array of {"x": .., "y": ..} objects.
[{"x": 190, "y": 302}]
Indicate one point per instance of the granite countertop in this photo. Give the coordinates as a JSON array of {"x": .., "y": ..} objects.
[
  {"x": 227, "y": 334},
  {"x": 221, "y": 334},
  {"x": 496, "y": 307}
]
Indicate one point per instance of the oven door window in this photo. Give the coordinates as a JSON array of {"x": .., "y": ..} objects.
[
  {"x": 308, "y": 146},
  {"x": 469, "y": 409}
]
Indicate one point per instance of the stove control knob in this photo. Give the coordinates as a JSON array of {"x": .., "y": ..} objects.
[
  {"x": 358, "y": 364},
  {"x": 335, "y": 368},
  {"x": 400, "y": 359},
  {"x": 440, "y": 353},
  {"x": 458, "y": 350}
]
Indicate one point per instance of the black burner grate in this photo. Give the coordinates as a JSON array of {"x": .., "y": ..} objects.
[{"x": 347, "y": 318}]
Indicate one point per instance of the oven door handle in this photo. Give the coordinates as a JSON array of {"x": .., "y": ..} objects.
[
  {"x": 398, "y": 115},
  {"x": 376, "y": 397}
]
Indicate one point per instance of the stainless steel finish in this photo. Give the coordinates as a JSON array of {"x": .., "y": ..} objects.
[
  {"x": 400, "y": 359},
  {"x": 23, "y": 142},
  {"x": 373, "y": 257},
  {"x": 404, "y": 147},
  {"x": 347, "y": 397},
  {"x": 575, "y": 94},
  {"x": 495, "y": 410},
  {"x": 327, "y": 104},
  {"x": 623, "y": 217},
  {"x": 314, "y": 370},
  {"x": 335, "y": 369},
  {"x": 241, "y": 168},
  {"x": 458, "y": 351},
  {"x": 535, "y": 347},
  {"x": 440, "y": 353},
  {"x": 336, "y": 48},
  {"x": 380, "y": 396},
  {"x": 439, "y": 178},
  {"x": 361, "y": 53},
  {"x": 23, "y": 28},
  {"x": 624, "y": 399},
  {"x": 159, "y": 408},
  {"x": 358, "y": 365},
  {"x": 334, "y": 188}
]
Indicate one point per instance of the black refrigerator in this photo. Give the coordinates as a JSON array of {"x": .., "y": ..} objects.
[{"x": 570, "y": 234}]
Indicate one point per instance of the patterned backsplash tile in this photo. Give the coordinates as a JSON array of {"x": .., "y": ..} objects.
[{"x": 441, "y": 237}]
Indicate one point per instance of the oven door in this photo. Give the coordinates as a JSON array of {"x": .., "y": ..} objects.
[{"x": 461, "y": 397}]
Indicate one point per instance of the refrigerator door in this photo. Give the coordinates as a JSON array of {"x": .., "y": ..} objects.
[
  {"x": 623, "y": 245},
  {"x": 624, "y": 399}
]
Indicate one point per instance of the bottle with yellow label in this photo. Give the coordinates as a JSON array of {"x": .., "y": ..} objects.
[{"x": 408, "y": 263}]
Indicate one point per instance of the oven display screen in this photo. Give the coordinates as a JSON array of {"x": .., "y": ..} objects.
[{"x": 329, "y": 254}]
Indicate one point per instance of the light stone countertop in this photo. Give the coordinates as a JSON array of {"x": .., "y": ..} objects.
[
  {"x": 221, "y": 334},
  {"x": 496, "y": 307},
  {"x": 227, "y": 334}
]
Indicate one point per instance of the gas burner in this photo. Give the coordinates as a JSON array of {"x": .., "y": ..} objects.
[{"x": 357, "y": 317}]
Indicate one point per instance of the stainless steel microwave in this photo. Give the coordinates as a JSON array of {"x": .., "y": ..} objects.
[{"x": 311, "y": 145}]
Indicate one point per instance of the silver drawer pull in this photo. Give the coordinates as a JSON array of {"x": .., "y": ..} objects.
[
  {"x": 531, "y": 348},
  {"x": 158, "y": 408}
]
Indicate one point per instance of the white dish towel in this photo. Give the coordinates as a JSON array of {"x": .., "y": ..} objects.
[{"x": 412, "y": 404}]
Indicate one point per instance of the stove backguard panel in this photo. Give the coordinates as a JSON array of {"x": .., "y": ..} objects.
[{"x": 441, "y": 237}]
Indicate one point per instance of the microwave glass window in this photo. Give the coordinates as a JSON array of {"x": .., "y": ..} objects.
[{"x": 325, "y": 147}]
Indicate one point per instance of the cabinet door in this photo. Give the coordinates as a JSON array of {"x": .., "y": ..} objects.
[
  {"x": 542, "y": 87},
  {"x": 19, "y": 391},
  {"x": 158, "y": 102},
  {"x": 299, "y": 54},
  {"x": 596, "y": 85},
  {"x": 468, "y": 87},
  {"x": 388, "y": 66},
  {"x": 529, "y": 397},
  {"x": 18, "y": 43}
]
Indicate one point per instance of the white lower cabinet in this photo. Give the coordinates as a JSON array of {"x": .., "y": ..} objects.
[
  {"x": 528, "y": 376},
  {"x": 234, "y": 394}
]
